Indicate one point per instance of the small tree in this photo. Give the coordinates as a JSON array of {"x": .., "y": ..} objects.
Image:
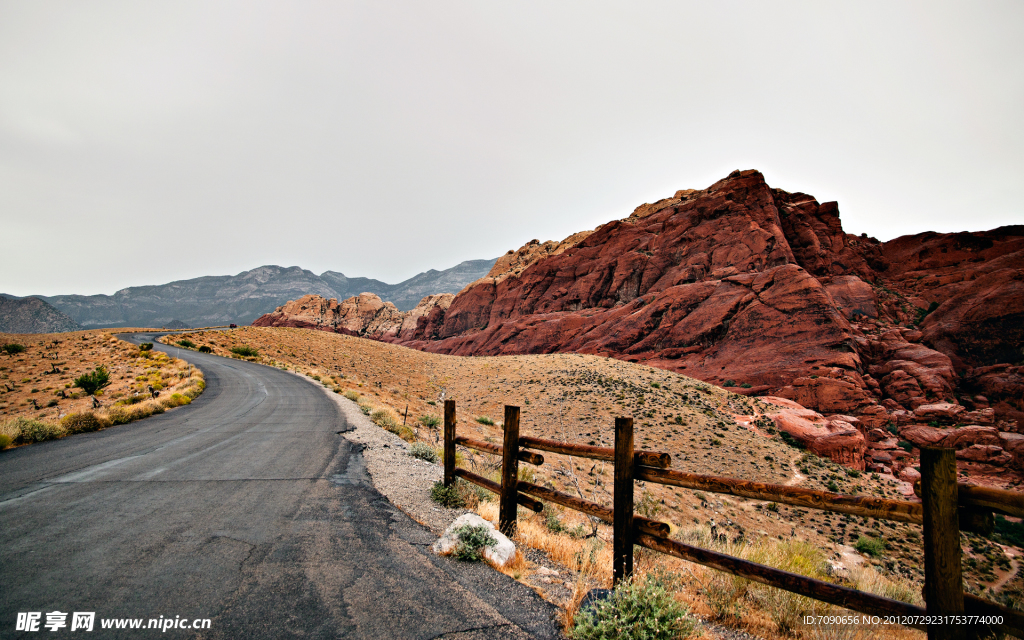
[
  {"x": 12, "y": 348},
  {"x": 93, "y": 381}
]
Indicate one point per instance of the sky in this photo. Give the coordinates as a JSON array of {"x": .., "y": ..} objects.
[{"x": 145, "y": 142}]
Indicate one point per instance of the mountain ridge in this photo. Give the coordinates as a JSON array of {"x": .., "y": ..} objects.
[{"x": 243, "y": 297}]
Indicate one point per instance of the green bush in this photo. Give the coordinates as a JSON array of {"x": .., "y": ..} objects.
[
  {"x": 188, "y": 344},
  {"x": 472, "y": 542},
  {"x": 12, "y": 348},
  {"x": 245, "y": 351},
  {"x": 352, "y": 395},
  {"x": 639, "y": 609},
  {"x": 93, "y": 381},
  {"x": 130, "y": 400},
  {"x": 423, "y": 451},
  {"x": 484, "y": 420},
  {"x": 870, "y": 546},
  {"x": 5, "y": 441},
  {"x": 430, "y": 421},
  {"x": 366, "y": 409},
  {"x": 446, "y": 496},
  {"x": 205, "y": 349},
  {"x": 81, "y": 422},
  {"x": 146, "y": 346},
  {"x": 729, "y": 383},
  {"x": 747, "y": 385}
]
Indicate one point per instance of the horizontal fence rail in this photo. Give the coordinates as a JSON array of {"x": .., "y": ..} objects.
[
  {"x": 897, "y": 510},
  {"x": 947, "y": 508}
]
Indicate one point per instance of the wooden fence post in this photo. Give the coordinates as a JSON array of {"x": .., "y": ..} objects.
[
  {"x": 507, "y": 504},
  {"x": 449, "y": 442},
  {"x": 622, "y": 526},
  {"x": 943, "y": 582}
]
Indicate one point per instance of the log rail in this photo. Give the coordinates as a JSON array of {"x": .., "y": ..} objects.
[{"x": 947, "y": 507}]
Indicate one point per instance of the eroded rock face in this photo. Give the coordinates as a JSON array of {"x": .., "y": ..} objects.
[
  {"x": 747, "y": 283},
  {"x": 363, "y": 315},
  {"x": 835, "y": 439}
]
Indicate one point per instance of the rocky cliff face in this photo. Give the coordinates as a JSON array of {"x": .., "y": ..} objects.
[
  {"x": 32, "y": 315},
  {"x": 741, "y": 284},
  {"x": 762, "y": 291}
]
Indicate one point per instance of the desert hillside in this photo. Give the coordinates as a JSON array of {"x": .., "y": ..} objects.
[{"x": 575, "y": 398}]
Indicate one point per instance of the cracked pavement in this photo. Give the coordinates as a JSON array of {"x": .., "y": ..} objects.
[{"x": 246, "y": 507}]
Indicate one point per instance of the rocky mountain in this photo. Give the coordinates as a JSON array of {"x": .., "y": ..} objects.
[
  {"x": 32, "y": 315},
  {"x": 866, "y": 345},
  {"x": 216, "y": 300}
]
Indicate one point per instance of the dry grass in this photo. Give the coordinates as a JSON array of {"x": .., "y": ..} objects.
[{"x": 45, "y": 374}]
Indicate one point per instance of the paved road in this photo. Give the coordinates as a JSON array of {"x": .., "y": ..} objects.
[{"x": 248, "y": 508}]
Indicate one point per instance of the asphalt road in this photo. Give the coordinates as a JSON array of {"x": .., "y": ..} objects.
[{"x": 246, "y": 507}]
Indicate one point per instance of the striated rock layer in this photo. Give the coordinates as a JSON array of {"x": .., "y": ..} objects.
[{"x": 751, "y": 287}]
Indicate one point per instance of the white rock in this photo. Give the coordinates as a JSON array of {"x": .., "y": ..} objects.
[{"x": 500, "y": 554}]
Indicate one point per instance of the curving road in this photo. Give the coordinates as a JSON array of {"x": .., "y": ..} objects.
[{"x": 246, "y": 507}]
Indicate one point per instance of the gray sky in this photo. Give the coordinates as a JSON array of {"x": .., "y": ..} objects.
[{"x": 144, "y": 142}]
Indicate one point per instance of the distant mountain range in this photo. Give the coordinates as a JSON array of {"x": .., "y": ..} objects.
[
  {"x": 32, "y": 315},
  {"x": 215, "y": 300}
]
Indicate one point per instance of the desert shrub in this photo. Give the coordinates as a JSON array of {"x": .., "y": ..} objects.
[
  {"x": 93, "y": 381},
  {"x": 146, "y": 346},
  {"x": 81, "y": 422},
  {"x": 5, "y": 441},
  {"x": 245, "y": 351},
  {"x": 383, "y": 418},
  {"x": 130, "y": 400},
  {"x": 791, "y": 441},
  {"x": 639, "y": 609},
  {"x": 747, "y": 385},
  {"x": 795, "y": 556},
  {"x": 423, "y": 451},
  {"x": 176, "y": 400},
  {"x": 484, "y": 420},
  {"x": 352, "y": 395},
  {"x": 729, "y": 383},
  {"x": 446, "y": 496},
  {"x": 36, "y": 431},
  {"x": 472, "y": 542},
  {"x": 121, "y": 415},
  {"x": 870, "y": 546},
  {"x": 430, "y": 421},
  {"x": 205, "y": 349},
  {"x": 195, "y": 389},
  {"x": 366, "y": 409},
  {"x": 185, "y": 342},
  {"x": 12, "y": 348}
]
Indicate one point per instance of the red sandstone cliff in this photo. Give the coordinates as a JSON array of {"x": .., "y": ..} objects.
[{"x": 744, "y": 284}]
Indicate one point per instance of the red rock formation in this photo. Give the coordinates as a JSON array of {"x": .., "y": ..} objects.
[
  {"x": 762, "y": 287},
  {"x": 363, "y": 315}
]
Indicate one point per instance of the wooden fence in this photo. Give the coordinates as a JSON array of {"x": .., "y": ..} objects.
[{"x": 945, "y": 509}]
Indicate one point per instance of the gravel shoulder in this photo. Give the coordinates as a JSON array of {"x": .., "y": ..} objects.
[{"x": 404, "y": 480}]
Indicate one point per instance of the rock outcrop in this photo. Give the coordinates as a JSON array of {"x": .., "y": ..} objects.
[
  {"x": 759, "y": 289},
  {"x": 365, "y": 315}
]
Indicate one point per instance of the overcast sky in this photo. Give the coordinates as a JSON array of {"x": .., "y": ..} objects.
[{"x": 144, "y": 142}]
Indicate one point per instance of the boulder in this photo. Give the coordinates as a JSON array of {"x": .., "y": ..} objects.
[
  {"x": 923, "y": 435},
  {"x": 941, "y": 411},
  {"x": 985, "y": 454},
  {"x": 834, "y": 439},
  {"x": 910, "y": 474},
  {"x": 963, "y": 437},
  {"x": 500, "y": 554}
]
